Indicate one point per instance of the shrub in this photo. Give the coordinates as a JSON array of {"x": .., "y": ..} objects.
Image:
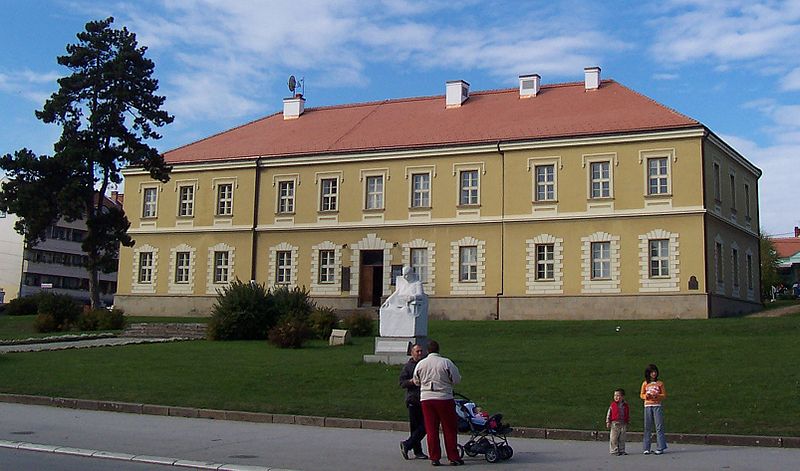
[
  {"x": 360, "y": 324},
  {"x": 295, "y": 301},
  {"x": 290, "y": 332},
  {"x": 22, "y": 306},
  {"x": 242, "y": 311},
  {"x": 57, "y": 313},
  {"x": 101, "y": 319},
  {"x": 322, "y": 321}
]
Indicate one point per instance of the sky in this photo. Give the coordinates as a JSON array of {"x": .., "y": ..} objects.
[{"x": 733, "y": 65}]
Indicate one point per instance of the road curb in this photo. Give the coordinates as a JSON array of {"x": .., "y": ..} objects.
[{"x": 387, "y": 425}]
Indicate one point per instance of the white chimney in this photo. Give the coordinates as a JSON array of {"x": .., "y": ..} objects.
[
  {"x": 457, "y": 93},
  {"x": 592, "y": 75},
  {"x": 293, "y": 107},
  {"x": 529, "y": 85}
]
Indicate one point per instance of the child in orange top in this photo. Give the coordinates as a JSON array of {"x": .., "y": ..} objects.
[{"x": 653, "y": 393}]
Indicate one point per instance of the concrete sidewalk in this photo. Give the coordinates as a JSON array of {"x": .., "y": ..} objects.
[{"x": 309, "y": 448}]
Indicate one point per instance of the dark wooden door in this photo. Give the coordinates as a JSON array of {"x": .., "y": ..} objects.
[
  {"x": 365, "y": 286},
  {"x": 370, "y": 278}
]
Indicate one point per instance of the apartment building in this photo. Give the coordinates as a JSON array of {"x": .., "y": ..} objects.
[{"x": 582, "y": 200}]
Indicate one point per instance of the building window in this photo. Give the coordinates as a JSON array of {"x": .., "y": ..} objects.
[
  {"x": 733, "y": 191},
  {"x": 749, "y": 272},
  {"x": 221, "y": 266},
  {"x": 717, "y": 191},
  {"x": 374, "y": 193},
  {"x": 329, "y": 193},
  {"x": 419, "y": 263},
  {"x": 600, "y": 179},
  {"x": 145, "y": 267},
  {"x": 224, "y": 199},
  {"x": 735, "y": 261},
  {"x": 468, "y": 263},
  {"x": 718, "y": 258},
  {"x": 545, "y": 182},
  {"x": 601, "y": 260},
  {"x": 283, "y": 267},
  {"x": 421, "y": 190},
  {"x": 545, "y": 262},
  {"x": 657, "y": 176},
  {"x": 186, "y": 200},
  {"x": 659, "y": 258},
  {"x": 469, "y": 188},
  {"x": 327, "y": 267},
  {"x": 747, "y": 201},
  {"x": 182, "y": 265},
  {"x": 286, "y": 196},
  {"x": 149, "y": 202}
]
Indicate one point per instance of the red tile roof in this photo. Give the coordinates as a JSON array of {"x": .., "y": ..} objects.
[
  {"x": 786, "y": 246},
  {"x": 558, "y": 111}
]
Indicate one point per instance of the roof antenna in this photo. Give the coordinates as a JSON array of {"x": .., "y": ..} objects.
[{"x": 295, "y": 85}]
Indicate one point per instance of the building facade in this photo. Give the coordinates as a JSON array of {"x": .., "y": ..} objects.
[{"x": 567, "y": 201}]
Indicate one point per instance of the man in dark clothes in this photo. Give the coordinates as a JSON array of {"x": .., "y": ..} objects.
[{"x": 416, "y": 422}]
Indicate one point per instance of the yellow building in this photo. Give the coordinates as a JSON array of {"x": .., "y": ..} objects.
[{"x": 578, "y": 200}]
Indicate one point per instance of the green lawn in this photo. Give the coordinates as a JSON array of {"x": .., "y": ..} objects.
[
  {"x": 723, "y": 375},
  {"x": 21, "y": 327}
]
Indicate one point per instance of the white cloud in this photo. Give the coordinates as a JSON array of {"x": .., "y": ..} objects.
[
  {"x": 33, "y": 86},
  {"x": 792, "y": 80},
  {"x": 665, "y": 76}
]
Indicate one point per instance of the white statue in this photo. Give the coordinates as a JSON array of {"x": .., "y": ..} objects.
[{"x": 405, "y": 312}]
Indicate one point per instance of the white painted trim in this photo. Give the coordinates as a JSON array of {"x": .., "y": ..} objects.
[
  {"x": 535, "y": 286},
  {"x": 211, "y": 286},
  {"x": 333, "y": 288},
  {"x": 144, "y": 288},
  {"x": 429, "y": 284},
  {"x": 458, "y": 287},
  {"x": 182, "y": 288}
]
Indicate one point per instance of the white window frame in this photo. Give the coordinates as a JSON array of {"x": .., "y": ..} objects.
[
  {"x": 213, "y": 282},
  {"x": 717, "y": 176},
  {"x": 224, "y": 206},
  {"x": 658, "y": 183},
  {"x": 732, "y": 178},
  {"x": 472, "y": 188},
  {"x": 747, "y": 214},
  {"x": 221, "y": 273},
  {"x": 145, "y": 269},
  {"x": 546, "y": 187},
  {"x": 326, "y": 274},
  {"x": 185, "y": 206},
  {"x": 183, "y": 271},
  {"x": 286, "y": 202},
  {"x": 149, "y": 208},
  {"x": 374, "y": 192},
  {"x": 545, "y": 262},
  {"x": 419, "y": 263},
  {"x": 658, "y": 260},
  {"x": 600, "y": 258},
  {"x": 470, "y": 263},
  {"x": 420, "y": 197},
  {"x": 329, "y": 198},
  {"x": 144, "y": 288},
  {"x": 283, "y": 267}
]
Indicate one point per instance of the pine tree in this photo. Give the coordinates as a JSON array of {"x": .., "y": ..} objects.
[{"x": 108, "y": 111}]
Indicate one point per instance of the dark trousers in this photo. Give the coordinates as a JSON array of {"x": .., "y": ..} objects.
[
  {"x": 417, "y": 427},
  {"x": 441, "y": 411}
]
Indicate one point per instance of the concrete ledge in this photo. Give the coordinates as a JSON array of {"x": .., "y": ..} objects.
[
  {"x": 126, "y": 407},
  {"x": 152, "y": 409},
  {"x": 154, "y": 459},
  {"x": 197, "y": 464},
  {"x": 342, "y": 423},
  {"x": 381, "y": 425},
  {"x": 282, "y": 419},
  {"x": 211, "y": 414},
  {"x": 309, "y": 420},
  {"x": 86, "y": 404},
  {"x": 561, "y": 434},
  {"x": 687, "y": 438},
  {"x": 65, "y": 402},
  {"x": 249, "y": 417},
  {"x": 790, "y": 442},
  {"x": 113, "y": 456},
  {"x": 742, "y": 440},
  {"x": 526, "y": 432},
  {"x": 66, "y": 450},
  {"x": 31, "y": 400},
  {"x": 189, "y": 412}
]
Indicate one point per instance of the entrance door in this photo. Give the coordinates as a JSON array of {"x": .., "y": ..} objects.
[{"x": 370, "y": 279}]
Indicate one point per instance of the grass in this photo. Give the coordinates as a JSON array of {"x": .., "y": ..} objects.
[
  {"x": 734, "y": 376},
  {"x": 21, "y": 327}
]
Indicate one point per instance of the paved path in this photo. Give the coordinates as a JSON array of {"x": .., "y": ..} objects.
[
  {"x": 105, "y": 342},
  {"x": 312, "y": 448}
]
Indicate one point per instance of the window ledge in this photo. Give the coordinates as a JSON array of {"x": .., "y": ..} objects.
[
  {"x": 468, "y": 206},
  {"x": 373, "y": 210},
  {"x": 658, "y": 195},
  {"x": 554, "y": 201}
]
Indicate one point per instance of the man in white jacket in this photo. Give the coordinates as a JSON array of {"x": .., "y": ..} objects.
[{"x": 436, "y": 376}]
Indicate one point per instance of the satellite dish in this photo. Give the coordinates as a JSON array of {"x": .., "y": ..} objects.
[{"x": 292, "y": 84}]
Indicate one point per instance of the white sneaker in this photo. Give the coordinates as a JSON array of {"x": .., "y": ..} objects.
[
  {"x": 658, "y": 452},
  {"x": 646, "y": 452}
]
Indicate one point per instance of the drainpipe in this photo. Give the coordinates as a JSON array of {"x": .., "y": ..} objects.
[
  {"x": 708, "y": 275},
  {"x": 256, "y": 196},
  {"x": 502, "y": 227}
]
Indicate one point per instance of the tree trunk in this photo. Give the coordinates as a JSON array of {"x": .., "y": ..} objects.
[{"x": 94, "y": 288}]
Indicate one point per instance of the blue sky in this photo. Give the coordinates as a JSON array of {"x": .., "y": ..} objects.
[{"x": 733, "y": 65}]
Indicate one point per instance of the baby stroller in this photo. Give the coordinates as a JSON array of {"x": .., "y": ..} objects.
[{"x": 487, "y": 435}]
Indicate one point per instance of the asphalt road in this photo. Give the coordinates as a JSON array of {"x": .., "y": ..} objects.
[{"x": 314, "y": 448}]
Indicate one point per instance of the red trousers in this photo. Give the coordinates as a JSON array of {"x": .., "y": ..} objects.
[{"x": 441, "y": 411}]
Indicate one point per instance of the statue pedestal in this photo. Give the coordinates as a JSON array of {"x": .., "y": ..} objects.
[{"x": 394, "y": 350}]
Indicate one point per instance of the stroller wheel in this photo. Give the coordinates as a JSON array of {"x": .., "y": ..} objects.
[
  {"x": 492, "y": 455},
  {"x": 505, "y": 451},
  {"x": 469, "y": 448},
  {"x": 461, "y": 451}
]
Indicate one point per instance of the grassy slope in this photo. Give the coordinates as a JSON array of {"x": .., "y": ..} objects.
[{"x": 724, "y": 375}]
